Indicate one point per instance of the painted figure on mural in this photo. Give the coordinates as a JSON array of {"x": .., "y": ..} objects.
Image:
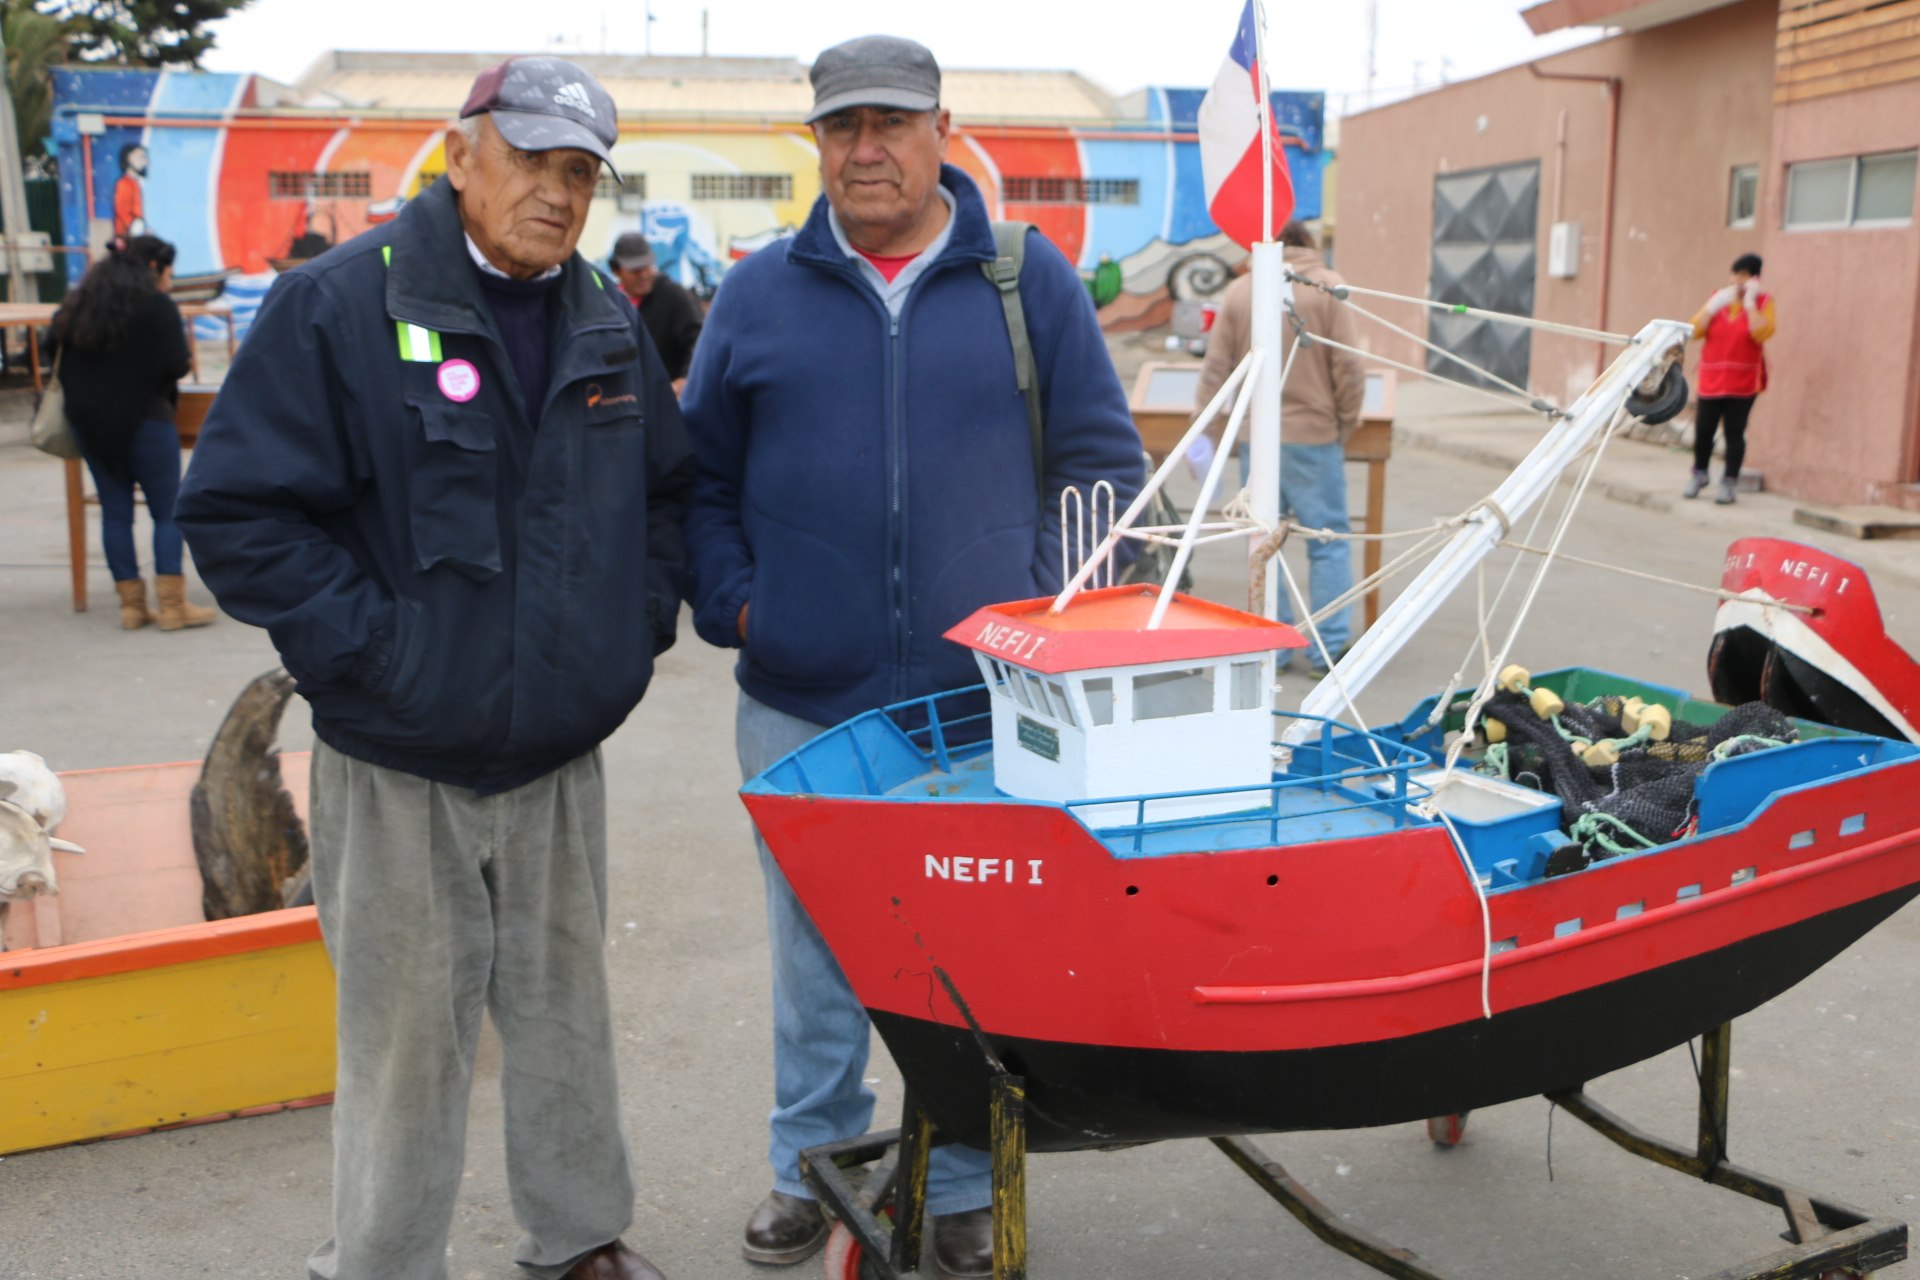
[
  {"x": 130, "y": 193},
  {"x": 1735, "y": 323}
]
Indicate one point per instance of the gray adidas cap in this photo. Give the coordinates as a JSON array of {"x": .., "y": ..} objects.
[
  {"x": 544, "y": 104},
  {"x": 874, "y": 71}
]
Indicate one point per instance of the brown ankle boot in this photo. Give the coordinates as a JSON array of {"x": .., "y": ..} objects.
[
  {"x": 170, "y": 589},
  {"x": 133, "y": 604}
]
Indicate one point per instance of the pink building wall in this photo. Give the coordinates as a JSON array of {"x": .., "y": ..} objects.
[
  {"x": 1841, "y": 411},
  {"x": 1696, "y": 99}
]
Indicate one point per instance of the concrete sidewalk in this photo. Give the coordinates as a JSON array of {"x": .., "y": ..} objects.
[{"x": 1464, "y": 424}]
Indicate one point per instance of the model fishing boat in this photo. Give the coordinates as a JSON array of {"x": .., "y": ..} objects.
[
  {"x": 1115, "y": 871},
  {"x": 1826, "y": 655}
]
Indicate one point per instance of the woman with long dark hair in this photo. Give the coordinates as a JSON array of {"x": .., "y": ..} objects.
[{"x": 123, "y": 352}]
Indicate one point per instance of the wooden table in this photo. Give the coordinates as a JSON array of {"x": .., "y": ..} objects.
[
  {"x": 195, "y": 399},
  {"x": 35, "y": 316},
  {"x": 1162, "y": 403}
]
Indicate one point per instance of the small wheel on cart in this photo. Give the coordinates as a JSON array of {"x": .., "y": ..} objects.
[
  {"x": 1447, "y": 1131},
  {"x": 843, "y": 1258}
]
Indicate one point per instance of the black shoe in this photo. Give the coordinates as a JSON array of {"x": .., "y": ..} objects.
[
  {"x": 784, "y": 1230},
  {"x": 963, "y": 1244}
]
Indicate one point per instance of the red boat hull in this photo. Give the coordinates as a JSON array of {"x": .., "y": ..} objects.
[{"x": 1318, "y": 985}]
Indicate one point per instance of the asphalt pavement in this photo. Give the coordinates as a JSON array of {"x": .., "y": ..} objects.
[{"x": 1824, "y": 1092}]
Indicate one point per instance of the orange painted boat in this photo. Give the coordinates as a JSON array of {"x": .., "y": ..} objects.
[{"x": 123, "y": 1010}]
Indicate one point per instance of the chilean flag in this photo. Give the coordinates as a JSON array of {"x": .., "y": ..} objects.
[{"x": 1230, "y": 145}]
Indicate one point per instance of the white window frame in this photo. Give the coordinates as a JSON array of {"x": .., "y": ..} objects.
[
  {"x": 1734, "y": 175},
  {"x": 1854, "y": 196},
  {"x": 1848, "y": 222}
]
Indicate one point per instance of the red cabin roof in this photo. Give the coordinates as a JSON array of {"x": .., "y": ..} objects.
[{"x": 1108, "y": 628}]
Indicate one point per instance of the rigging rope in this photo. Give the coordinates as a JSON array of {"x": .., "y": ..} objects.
[{"x": 1341, "y": 291}]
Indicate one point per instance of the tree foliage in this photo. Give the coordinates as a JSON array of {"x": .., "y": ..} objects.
[
  {"x": 35, "y": 44},
  {"x": 139, "y": 33}
]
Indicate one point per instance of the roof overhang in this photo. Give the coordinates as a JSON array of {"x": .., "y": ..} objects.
[
  {"x": 1626, "y": 15},
  {"x": 1108, "y": 628}
]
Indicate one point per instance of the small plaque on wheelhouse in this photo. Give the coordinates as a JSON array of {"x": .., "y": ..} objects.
[{"x": 1042, "y": 740}]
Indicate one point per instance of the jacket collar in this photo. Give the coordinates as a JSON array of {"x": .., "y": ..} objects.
[
  {"x": 970, "y": 241},
  {"x": 431, "y": 281}
]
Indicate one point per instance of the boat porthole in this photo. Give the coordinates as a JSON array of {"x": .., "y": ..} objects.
[
  {"x": 1272, "y": 880},
  {"x": 1132, "y": 889}
]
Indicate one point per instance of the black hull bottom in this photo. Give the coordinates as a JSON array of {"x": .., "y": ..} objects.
[{"x": 1083, "y": 1096}]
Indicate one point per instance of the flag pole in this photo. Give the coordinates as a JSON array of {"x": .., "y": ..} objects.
[{"x": 1272, "y": 295}]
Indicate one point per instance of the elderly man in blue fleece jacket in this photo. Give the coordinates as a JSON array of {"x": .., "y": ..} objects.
[{"x": 867, "y": 479}]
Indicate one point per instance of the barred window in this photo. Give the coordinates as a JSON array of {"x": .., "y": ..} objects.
[
  {"x": 319, "y": 186},
  {"x": 632, "y": 189},
  {"x": 742, "y": 186},
  {"x": 1020, "y": 190}
]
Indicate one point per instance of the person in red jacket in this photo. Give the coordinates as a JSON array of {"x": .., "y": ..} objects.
[{"x": 1733, "y": 371}]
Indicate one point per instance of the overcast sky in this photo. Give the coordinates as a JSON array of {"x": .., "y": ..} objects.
[{"x": 1120, "y": 44}]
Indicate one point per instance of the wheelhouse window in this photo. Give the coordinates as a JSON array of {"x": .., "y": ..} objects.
[
  {"x": 1165, "y": 694},
  {"x": 1099, "y": 693},
  {"x": 1244, "y": 693}
]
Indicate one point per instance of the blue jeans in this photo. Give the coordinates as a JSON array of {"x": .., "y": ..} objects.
[
  {"x": 153, "y": 463},
  {"x": 1313, "y": 490},
  {"x": 820, "y": 1031}
]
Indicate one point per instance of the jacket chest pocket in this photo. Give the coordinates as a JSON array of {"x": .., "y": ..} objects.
[{"x": 453, "y": 511}]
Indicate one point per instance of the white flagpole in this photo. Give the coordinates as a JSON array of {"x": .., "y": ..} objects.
[{"x": 1271, "y": 296}]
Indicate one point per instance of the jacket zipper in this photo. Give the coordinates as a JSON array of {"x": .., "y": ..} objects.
[{"x": 896, "y": 514}]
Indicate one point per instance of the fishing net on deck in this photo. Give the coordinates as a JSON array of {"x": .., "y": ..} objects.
[{"x": 1640, "y": 798}]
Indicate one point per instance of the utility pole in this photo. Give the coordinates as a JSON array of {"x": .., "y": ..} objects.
[
  {"x": 1373, "y": 45},
  {"x": 648, "y": 25},
  {"x": 22, "y": 287},
  {"x": 703, "y": 33}
]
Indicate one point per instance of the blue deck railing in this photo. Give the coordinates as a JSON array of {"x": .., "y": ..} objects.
[
  {"x": 1355, "y": 771},
  {"x": 1359, "y": 771}
]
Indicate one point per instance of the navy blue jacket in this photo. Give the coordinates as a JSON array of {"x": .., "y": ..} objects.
[
  {"x": 461, "y": 594},
  {"x": 866, "y": 482}
]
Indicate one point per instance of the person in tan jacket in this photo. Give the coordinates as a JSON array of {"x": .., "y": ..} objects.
[{"x": 1319, "y": 409}]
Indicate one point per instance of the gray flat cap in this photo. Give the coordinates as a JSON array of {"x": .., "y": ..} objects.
[
  {"x": 544, "y": 104},
  {"x": 875, "y": 71}
]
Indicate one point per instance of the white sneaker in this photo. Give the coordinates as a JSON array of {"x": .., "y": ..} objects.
[
  {"x": 1725, "y": 497},
  {"x": 1696, "y": 481}
]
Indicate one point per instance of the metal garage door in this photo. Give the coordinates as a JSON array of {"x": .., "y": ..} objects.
[{"x": 1483, "y": 256}]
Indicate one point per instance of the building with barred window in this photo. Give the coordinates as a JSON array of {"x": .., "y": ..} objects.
[{"x": 245, "y": 173}]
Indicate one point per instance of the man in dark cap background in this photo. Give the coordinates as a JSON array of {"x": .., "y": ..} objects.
[
  {"x": 447, "y": 473},
  {"x": 868, "y": 477},
  {"x": 671, "y": 314}
]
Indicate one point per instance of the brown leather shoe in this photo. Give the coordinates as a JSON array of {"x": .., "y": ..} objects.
[
  {"x": 613, "y": 1262},
  {"x": 784, "y": 1230},
  {"x": 963, "y": 1244}
]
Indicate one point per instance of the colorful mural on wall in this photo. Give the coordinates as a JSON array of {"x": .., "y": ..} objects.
[{"x": 241, "y": 185}]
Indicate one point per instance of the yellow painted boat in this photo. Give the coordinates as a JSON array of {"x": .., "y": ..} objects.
[{"x": 122, "y": 1009}]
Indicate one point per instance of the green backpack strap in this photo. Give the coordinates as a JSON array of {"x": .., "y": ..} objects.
[{"x": 1010, "y": 244}]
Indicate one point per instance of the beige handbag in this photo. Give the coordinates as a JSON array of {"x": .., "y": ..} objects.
[{"x": 51, "y": 431}]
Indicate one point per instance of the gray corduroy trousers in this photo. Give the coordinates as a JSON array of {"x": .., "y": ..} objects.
[{"x": 436, "y": 904}]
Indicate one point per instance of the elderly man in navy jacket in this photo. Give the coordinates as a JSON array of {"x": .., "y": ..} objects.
[
  {"x": 867, "y": 478},
  {"x": 447, "y": 473}
]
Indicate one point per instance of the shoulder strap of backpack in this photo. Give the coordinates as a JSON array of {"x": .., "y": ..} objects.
[{"x": 1010, "y": 246}]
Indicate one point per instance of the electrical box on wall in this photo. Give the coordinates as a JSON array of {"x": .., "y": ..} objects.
[{"x": 1563, "y": 250}]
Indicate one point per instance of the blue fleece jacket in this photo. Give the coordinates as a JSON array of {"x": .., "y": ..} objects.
[{"x": 867, "y": 481}]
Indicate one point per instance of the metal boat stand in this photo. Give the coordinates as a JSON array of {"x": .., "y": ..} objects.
[{"x": 1827, "y": 1239}]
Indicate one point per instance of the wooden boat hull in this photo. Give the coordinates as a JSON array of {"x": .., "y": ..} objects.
[{"x": 122, "y": 1026}]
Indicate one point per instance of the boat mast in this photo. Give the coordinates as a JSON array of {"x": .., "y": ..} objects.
[{"x": 1272, "y": 298}]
